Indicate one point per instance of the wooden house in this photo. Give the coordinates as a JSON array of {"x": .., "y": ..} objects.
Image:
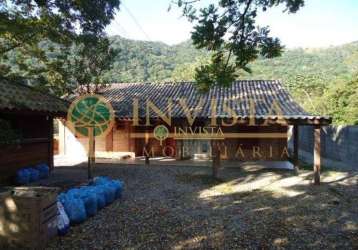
[
  {"x": 252, "y": 118},
  {"x": 26, "y": 120}
]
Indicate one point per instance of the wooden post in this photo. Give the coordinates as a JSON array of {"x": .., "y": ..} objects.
[
  {"x": 50, "y": 143},
  {"x": 295, "y": 146},
  {"x": 178, "y": 149},
  {"x": 91, "y": 151},
  {"x": 147, "y": 149},
  {"x": 317, "y": 154},
  {"x": 147, "y": 152},
  {"x": 61, "y": 137},
  {"x": 215, "y": 158},
  {"x": 181, "y": 150},
  {"x": 109, "y": 141}
]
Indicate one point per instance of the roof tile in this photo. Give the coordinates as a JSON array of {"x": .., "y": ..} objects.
[
  {"x": 14, "y": 96},
  {"x": 237, "y": 96}
]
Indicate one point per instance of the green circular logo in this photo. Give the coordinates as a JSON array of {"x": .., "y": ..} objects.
[
  {"x": 161, "y": 133},
  {"x": 91, "y": 111}
]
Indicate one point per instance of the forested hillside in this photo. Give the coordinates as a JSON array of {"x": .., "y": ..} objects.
[
  {"x": 156, "y": 61},
  {"x": 149, "y": 61},
  {"x": 322, "y": 80}
]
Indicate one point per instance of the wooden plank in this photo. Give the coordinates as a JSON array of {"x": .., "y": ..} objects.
[
  {"x": 121, "y": 137},
  {"x": 91, "y": 151},
  {"x": 317, "y": 154},
  {"x": 295, "y": 146},
  {"x": 147, "y": 146},
  {"x": 130, "y": 140},
  {"x": 50, "y": 143},
  {"x": 109, "y": 141}
]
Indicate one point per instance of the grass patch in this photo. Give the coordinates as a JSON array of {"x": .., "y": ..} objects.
[{"x": 204, "y": 179}]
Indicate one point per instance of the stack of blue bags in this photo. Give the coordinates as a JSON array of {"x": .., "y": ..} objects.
[
  {"x": 30, "y": 174},
  {"x": 83, "y": 202}
]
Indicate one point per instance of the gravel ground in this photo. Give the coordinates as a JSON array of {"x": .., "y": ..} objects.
[{"x": 184, "y": 208}]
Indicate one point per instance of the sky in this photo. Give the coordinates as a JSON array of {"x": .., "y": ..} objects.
[{"x": 320, "y": 23}]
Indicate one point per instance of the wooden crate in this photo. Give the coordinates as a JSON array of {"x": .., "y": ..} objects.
[{"x": 28, "y": 216}]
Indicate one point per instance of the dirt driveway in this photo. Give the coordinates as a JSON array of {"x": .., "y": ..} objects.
[{"x": 184, "y": 208}]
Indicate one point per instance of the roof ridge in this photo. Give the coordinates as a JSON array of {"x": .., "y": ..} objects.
[{"x": 193, "y": 82}]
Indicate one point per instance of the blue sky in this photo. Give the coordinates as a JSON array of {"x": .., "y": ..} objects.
[{"x": 320, "y": 23}]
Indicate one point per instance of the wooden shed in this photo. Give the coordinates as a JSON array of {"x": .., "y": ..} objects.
[{"x": 26, "y": 120}]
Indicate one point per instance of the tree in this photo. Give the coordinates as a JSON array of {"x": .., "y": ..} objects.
[
  {"x": 228, "y": 30},
  {"x": 87, "y": 67},
  {"x": 186, "y": 71},
  {"x": 36, "y": 36},
  {"x": 25, "y": 23},
  {"x": 341, "y": 102}
]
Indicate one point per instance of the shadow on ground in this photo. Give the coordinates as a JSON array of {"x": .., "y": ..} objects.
[{"x": 183, "y": 207}]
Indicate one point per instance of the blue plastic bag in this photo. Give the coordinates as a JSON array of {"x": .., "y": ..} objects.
[
  {"x": 101, "y": 197},
  {"x": 110, "y": 192},
  {"x": 75, "y": 209},
  {"x": 34, "y": 174},
  {"x": 63, "y": 222},
  {"x": 62, "y": 198},
  {"x": 100, "y": 180},
  {"x": 103, "y": 183},
  {"x": 118, "y": 185},
  {"x": 109, "y": 197},
  {"x": 90, "y": 201},
  {"x": 23, "y": 176},
  {"x": 44, "y": 170},
  {"x": 74, "y": 193}
]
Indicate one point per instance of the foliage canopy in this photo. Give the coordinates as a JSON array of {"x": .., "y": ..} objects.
[
  {"x": 49, "y": 43},
  {"x": 228, "y": 30}
]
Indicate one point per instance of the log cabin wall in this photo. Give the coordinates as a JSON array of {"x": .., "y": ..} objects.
[{"x": 35, "y": 145}]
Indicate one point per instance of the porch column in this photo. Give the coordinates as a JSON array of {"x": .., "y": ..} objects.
[
  {"x": 50, "y": 143},
  {"x": 295, "y": 146},
  {"x": 61, "y": 137},
  {"x": 182, "y": 150},
  {"x": 215, "y": 158},
  {"x": 317, "y": 154},
  {"x": 109, "y": 141},
  {"x": 147, "y": 147}
]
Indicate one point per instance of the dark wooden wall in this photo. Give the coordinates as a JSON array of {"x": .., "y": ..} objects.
[
  {"x": 268, "y": 148},
  {"x": 265, "y": 148},
  {"x": 36, "y": 144},
  {"x": 155, "y": 149}
]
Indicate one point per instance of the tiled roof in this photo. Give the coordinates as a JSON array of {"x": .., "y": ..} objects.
[
  {"x": 263, "y": 92},
  {"x": 18, "y": 97}
]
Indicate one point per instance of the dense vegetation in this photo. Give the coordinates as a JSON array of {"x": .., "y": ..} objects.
[
  {"x": 228, "y": 29},
  {"x": 324, "y": 81},
  {"x": 55, "y": 45}
]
